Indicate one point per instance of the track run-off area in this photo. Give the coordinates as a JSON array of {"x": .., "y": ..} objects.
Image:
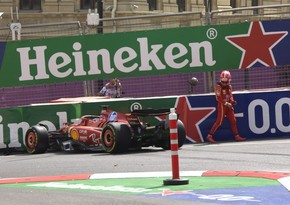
[{"x": 251, "y": 172}]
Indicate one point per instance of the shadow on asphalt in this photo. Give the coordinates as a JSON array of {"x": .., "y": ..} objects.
[{"x": 19, "y": 151}]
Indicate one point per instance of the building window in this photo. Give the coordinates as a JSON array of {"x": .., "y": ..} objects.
[
  {"x": 88, "y": 4},
  {"x": 255, "y": 3},
  {"x": 181, "y": 5},
  {"x": 152, "y": 5},
  {"x": 233, "y": 4},
  {"x": 30, "y": 4}
]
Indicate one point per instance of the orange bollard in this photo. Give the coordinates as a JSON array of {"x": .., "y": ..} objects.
[{"x": 174, "y": 152}]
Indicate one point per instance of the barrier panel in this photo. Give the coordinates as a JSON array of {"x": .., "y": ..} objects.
[{"x": 259, "y": 114}]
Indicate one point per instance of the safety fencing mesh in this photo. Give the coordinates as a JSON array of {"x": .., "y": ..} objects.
[{"x": 149, "y": 86}]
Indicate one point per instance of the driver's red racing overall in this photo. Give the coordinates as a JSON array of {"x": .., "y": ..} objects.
[{"x": 225, "y": 102}]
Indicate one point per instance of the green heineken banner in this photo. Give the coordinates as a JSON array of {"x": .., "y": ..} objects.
[
  {"x": 14, "y": 122},
  {"x": 155, "y": 52}
]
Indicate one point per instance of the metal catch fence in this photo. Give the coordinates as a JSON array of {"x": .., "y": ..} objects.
[{"x": 150, "y": 86}]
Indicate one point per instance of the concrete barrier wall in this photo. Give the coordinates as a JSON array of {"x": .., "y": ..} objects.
[{"x": 260, "y": 114}]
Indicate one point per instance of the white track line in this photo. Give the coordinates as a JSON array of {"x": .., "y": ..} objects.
[
  {"x": 143, "y": 174},
  {"x": 285, "y": 181}
]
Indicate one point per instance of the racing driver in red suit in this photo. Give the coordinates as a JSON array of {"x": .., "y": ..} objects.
[{"x": 225, "y": 102}]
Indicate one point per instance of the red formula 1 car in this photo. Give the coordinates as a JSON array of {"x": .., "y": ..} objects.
[{"x": 111, "y": 131}]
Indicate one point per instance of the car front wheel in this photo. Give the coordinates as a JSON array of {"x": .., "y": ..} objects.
[{"x": 36, "y": 140}]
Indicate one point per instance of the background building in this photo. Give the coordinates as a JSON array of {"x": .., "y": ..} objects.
[{"x": 48, "y": 11}]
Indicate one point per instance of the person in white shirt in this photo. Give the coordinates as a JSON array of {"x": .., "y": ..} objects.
[{"x": 112, "y": 89}]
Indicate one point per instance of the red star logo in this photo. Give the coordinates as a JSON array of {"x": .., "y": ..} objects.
[
  {"x": 257, "y": 45},
  {"x": 192, "y": 117}
]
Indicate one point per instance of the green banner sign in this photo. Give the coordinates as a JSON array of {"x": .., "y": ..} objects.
[
  {"x": 130, "y": 54},
  {"x": 154, "y": 52}
]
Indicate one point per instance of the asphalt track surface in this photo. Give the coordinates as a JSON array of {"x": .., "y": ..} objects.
[{"x": 251, "y": 172}]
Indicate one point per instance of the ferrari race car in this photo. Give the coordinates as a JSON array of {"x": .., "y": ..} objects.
[{"x": 111, "y": 131}]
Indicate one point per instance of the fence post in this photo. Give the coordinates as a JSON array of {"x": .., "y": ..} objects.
[{"x": 174, "y": 151}]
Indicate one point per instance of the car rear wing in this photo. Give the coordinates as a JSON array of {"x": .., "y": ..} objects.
[{"x": 151, "y": 112}]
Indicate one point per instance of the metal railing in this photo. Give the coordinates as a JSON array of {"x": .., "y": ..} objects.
[
  {"x": 40, "y": 31},
  {"x": 252, "y": 13},
  {"x": 149, "y": 22}
]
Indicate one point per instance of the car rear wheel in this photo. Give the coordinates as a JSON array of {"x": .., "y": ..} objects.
[
  {"x": 181, "y": 136},
  {"x": 116, "y": 138},
  {"x": 36, "y": 140}
]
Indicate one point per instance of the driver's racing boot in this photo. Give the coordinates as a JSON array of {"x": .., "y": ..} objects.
[
  {"x": 239, "y": 138},
  {"x": 210, "y": 138}
]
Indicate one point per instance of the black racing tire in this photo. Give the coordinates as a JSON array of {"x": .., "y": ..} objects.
[
  {"x": 181, "y": 133},
  {"x": 36, "y": 140},
  {"x": 181, "y": 136},
  {"x": 116, "y": 138}
]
